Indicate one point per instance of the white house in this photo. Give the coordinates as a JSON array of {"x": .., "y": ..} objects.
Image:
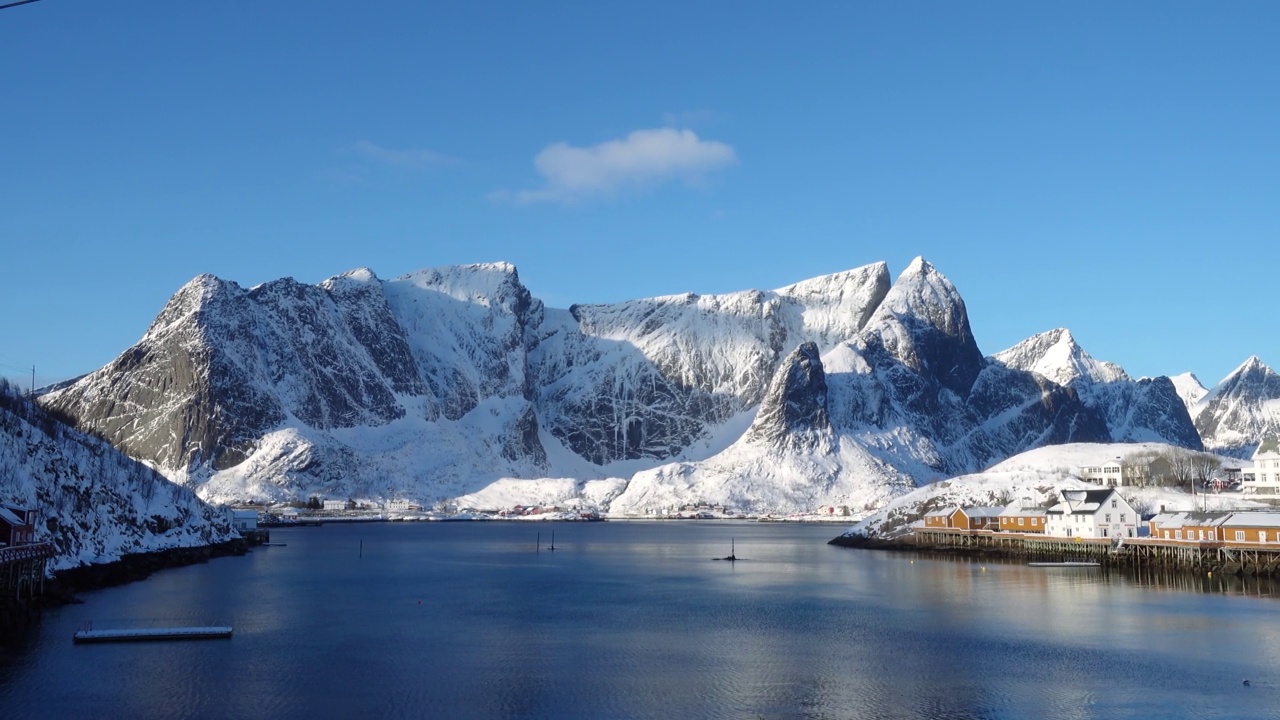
[
  {"x": 402, "y": 505},
  {"x": 242, "y": 520},
  {"x": 1091, "y": 514},
  {"x": 335, "y": 504},
  {"x": 1108, "y": 474},
  {"x": 1265, "y": 478}
]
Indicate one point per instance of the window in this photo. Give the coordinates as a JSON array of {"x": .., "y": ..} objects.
[
  {"x": 1108, "y": 517},
  {"x": 1239, "y": 534},
  {"x": 1178, "y": 535},
  {"x": 1113, "y": 503},
  {"x": 1020, "y": 520},
  {"x": 1122, "y": 516}
]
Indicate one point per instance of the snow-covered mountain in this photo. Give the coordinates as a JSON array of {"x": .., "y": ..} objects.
[
  {"x": 1134, "y": 410},
  {"x": 1241, "y": 410},
  {"x": 437, "y": 384},
  {"x": 94, "y": 503}
]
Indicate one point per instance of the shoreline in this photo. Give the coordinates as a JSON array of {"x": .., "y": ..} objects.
[
  {"x": 1229, "y": 568},
  {"x": 64, "y": 586}
]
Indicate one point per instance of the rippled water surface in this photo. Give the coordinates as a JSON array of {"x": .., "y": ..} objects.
[{"x": 634, "y": 620}]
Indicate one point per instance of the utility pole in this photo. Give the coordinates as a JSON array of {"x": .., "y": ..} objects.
[{"x": 33, "y": 381}]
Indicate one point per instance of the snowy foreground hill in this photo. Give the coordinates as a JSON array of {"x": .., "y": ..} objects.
[
  {"x": 1034, "y": 478},
  {"x": 448, "y": 383},
  {"x": 95, "y": 504}
]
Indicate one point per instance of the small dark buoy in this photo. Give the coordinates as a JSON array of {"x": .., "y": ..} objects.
[{"x": 1246, "y": 682}]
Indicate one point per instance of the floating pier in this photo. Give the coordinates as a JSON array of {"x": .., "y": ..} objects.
[{"x": 139, "y": 634}]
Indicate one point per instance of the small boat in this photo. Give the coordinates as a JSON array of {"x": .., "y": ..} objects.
[{"x": 1066, "y": 564}]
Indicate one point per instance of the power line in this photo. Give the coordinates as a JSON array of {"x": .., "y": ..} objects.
[{"x": 16, "y": 4}]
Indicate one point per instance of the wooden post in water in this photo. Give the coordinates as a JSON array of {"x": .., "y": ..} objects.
[
  {"x": 539, "y": 549},
  {"x": 361, "y": 547}
]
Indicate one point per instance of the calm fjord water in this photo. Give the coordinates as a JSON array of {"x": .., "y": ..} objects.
[{"x": 634, "y": 620}]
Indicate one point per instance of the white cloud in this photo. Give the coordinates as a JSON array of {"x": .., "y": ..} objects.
[
  {"x": 412, "y": 159},
  {"x": 644, "y": 158}
]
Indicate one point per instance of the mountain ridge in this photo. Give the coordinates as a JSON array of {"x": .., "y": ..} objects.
[{"x": 437, "y": 383}]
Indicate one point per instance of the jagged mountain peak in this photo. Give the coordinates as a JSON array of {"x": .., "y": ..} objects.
[
  {"x": 924, "y": 292},
  {"x": 357, "y": 276},
  {"x": 1056, "y": 355},
  {"x": 794, "y": 408},
  {"x": 482, "y": 283},
  {"x": 1251, "y": 366},
  {"x": 923, "y": 323},
  {"x": 1241, "y": 410},
  {"x": 1190, "y": 389}
]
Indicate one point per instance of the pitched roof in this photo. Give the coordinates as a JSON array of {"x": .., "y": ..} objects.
[
  {"x": 1017, "y": 510},
  {"x": 1083, "y": 501},
  {"x": 983, "y": 511}
]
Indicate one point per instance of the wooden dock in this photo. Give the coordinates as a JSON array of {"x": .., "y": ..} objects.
[
  {"x": 139, "y": 634},
  {"x": 1232, "y": 558}
]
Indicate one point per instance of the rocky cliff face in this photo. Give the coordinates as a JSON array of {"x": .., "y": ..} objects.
[
  {"x": 794, "y": 411},
  {"x": 437, "y": 383}
]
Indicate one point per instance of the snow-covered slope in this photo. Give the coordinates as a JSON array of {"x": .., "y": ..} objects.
[
  {"x": 94, "y": 503},
  {"x": 1242, "y": 410}
]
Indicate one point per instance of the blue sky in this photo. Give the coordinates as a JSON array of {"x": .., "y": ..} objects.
[{"x": 1107, "y": 167}]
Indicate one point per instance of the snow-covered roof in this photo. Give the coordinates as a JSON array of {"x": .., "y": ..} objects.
[
  {"x": 1017, "y": 510},
  {"x": 988, "y": 512},
  {"x": 944, "y": 512},
  {"x": 7, "y": 516},
  {"x": 1082, "y": 501},
  {"x": 1252, "y": 519}
]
